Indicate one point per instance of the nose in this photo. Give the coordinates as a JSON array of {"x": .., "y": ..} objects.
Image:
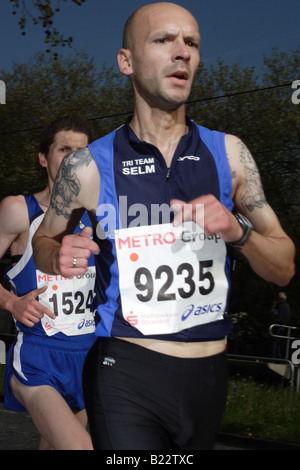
[{"x": 181, "y": 51}]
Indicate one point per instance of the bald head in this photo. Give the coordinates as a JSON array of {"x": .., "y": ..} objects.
[
  {"x": 138, "y": 19},
  {"x": 160, "y": 54}
]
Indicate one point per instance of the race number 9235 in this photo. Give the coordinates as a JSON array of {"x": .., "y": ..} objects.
[{"x": 147, "y": 283}]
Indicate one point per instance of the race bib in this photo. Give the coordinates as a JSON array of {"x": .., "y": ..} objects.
[
  {"x": 71, "y": 301},
  {"x": 171, "y": 278}
]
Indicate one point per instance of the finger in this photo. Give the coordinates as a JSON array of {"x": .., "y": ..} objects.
[
  {"x": 31, "y": 319},
  {"x": 42, "y": 310},
  {"x": 86, "y": 232},
  {"x": 39, "y": 308},
  {"x": 46, "y": 311},
  {"x": 83, "y": 240},
  {"x": 68, "y": 269},
  {"x": 39, "y": 291},
  {"x": 29, "y": 323}
]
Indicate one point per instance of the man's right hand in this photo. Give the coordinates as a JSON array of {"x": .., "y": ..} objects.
[{"x": 74, "y": 253}]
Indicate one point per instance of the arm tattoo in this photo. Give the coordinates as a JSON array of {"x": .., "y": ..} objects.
[
  {"x": 253, "y": 195},
  {"x": 67, "y": 184}
]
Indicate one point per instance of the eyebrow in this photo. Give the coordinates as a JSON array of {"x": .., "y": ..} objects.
[
  {"x": 173, "y": 33},
  {"x": 67, "y": 146}
]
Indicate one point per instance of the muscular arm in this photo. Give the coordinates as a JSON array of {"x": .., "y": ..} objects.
[
  {"x": 14, "y": 226},
  {"x": 76, "y": 188},
  {"x": 269, "y": 250},
  {"x": 13, "y": 222}
]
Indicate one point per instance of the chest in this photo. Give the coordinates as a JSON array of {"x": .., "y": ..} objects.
[{"x": 145, "y": 183}]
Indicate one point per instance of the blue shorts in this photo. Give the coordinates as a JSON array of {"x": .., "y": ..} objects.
[{"x": 49, "y": 361}]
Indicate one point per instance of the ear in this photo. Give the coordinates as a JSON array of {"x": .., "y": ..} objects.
[
  {"x": 124, "y": 61},
  {"x": 43, "y": 160}
]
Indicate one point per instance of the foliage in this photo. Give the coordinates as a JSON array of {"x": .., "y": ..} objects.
[
  {"x": 39, "y": 92},
  {"x": 43, "y": 13},
  {"x": 264, "y": 411}
]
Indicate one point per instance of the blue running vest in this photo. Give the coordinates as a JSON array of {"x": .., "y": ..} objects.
[
  {"x": 23, "y": 275},
  {"x": 134, "y": 174}
]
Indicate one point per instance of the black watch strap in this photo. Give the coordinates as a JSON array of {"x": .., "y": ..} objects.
[{"x": 246, "y": 226}]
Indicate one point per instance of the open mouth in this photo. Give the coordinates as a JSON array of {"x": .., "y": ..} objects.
[{"x": 180, "y": 75}]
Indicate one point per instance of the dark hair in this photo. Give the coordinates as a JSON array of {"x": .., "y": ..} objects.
[{"x": 67, "y": 123}]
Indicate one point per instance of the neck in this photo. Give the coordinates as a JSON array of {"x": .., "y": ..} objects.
[
  {"x": 43, "y": 198},
  {"x": 160, "y": 128}
]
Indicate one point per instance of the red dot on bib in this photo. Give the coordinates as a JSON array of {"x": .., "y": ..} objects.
[
  {"x": 54, "y": 287},
  {"x": 134, "y": 257}
]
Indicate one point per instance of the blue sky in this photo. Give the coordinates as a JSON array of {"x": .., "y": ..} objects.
[{"x": 235, "y": 30}]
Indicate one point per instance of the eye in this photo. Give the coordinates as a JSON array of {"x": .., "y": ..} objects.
[
  {"x": 192, "y": 44},
  {"x": 161, "y": 40}
]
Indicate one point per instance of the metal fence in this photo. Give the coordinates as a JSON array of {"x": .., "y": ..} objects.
[{"x": 277, "y": 331}]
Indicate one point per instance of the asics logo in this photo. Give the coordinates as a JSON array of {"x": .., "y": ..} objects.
[{"x": 189, "y": 157}]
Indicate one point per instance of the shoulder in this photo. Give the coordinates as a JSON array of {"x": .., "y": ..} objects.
[
  {"x": 236, "y": 149},
  {"x": 77, "y": 180},
  {"x": 13, "y": 205},
  {"x": 248, "y": 190},
  {"x": 240, "y": 159},
  {"x": 239, "y": 155},
  {"x": 14, "y": 214}
]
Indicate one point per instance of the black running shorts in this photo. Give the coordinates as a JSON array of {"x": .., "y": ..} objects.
[{"x": 137, "y": 399}]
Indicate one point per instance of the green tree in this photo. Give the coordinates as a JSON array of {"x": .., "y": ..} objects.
[{"x": 41, "y": 91}]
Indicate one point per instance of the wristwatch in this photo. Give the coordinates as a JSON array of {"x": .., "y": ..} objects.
[{"x": 246, "y": 226}]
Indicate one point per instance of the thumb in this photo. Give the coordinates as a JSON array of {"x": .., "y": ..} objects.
[
  {"x": 39, "y": 291},
  {"x": 45, "y": 310},
  {"x": 86, "y": 232}
]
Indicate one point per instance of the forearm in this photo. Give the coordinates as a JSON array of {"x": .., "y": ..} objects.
[
  {"x": 45, "y": 254},
  {"x": 6, "y": 299},
  {"x": 272, "y": 258}
]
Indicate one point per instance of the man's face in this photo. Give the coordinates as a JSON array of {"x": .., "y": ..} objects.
[
  {"x": 165, "y": 55},
  {"x": 64, "y": 142}
]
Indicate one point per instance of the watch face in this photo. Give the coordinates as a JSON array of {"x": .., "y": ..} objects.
[
  {"x": 244, "y": 221},
  {"x": 246, "y": 226}
]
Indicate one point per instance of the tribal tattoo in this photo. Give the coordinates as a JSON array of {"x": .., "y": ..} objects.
[
  {"x": 67, "y": 184},
  {"x": 253, "y": 195}
]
